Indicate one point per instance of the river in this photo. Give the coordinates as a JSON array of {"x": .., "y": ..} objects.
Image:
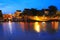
[{"x": 30, "y": 30}]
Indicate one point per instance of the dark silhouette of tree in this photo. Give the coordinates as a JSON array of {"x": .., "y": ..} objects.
[
  {"x": 1, "y": 15},
  {"x": 39, "y": 12},
  {"x": 46, "y": 12},
  {"x": 21, "y": 14},
  {"x": 26, "y": 11},
  {"x": 33, "y": 12},
  {"x": 18, "y": 10},
  {"x": 52, "y": 10}
]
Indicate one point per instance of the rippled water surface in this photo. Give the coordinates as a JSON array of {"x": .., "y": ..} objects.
[{"x": 30, "y": 31}]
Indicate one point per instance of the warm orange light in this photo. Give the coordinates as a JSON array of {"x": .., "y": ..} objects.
[
  {"x": 36, "y": 27},
  {"x": 36, "y": 18},
  {"x": 55, "y": 25}
]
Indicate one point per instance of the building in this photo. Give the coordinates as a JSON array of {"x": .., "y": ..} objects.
[
  {"x": 7, "y": 16},
  {"x": 17, "y": 14},
  {"x": 58, "y": 13}
]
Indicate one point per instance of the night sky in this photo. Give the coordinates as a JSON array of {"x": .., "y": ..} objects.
[{"x": 10, "y": 6}]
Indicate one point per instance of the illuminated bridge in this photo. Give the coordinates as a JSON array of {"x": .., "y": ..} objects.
[{"x": 36, "y": 18}]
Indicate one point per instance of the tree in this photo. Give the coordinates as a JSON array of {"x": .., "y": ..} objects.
[
  {"x": 45, "y": 12},
  {"x": 39, "y": 13},
  {"x": 1, "y": 15},
  {"x": 52, "y": 10},
  {"x": 26, "y": 12},
  {"x": 33, "y": 11}
]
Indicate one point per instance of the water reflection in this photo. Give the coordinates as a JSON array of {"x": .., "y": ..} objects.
[
  {"x": 29, "y": 30},
  {"x": 1, "y": 29},
  {"x": 55, "y": 25},
  {"x": 7, "y": 26},
  {"x": 43, "y": 24},
  {"x": 10, "y": 27},
  {"x": 22, "y": 25},
  {"x": 37, "y": 27}
]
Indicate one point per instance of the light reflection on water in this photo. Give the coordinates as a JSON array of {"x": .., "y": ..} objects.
[
  {"x": 55, "y": 25},
  {"x": 37, "y": 27},
  {"x": 22, "y": 26},
  {"x": 21, "y": 30},
  {"x": 10, "y": 27}
]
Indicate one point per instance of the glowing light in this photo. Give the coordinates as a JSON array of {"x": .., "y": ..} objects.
[
  {"x": 10, "y": 26},
  {"x": 55, "y": 25},
  {"x": 37, "y": 27},
  {"x": 36, "y": 18},
  {"x": 43, "y": 22},
  {"x": 44, "y": 26},
  {"x": 9, "y": 18}
]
